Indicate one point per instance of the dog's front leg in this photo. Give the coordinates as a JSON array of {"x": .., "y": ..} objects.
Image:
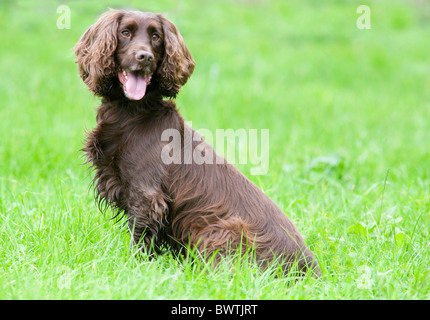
[
  {"x": 146, "y": 219},
  {"x": 140, "y": 235}
]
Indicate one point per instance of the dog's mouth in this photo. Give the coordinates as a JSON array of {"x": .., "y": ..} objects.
[{"x": 134, "y": 83}]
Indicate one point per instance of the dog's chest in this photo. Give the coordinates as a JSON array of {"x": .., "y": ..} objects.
[{"x": 125, "y": 152}]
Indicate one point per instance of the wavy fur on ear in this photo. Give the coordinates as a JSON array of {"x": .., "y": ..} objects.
[
  {"x": 178, "y": 64},
  {"x": 95, "y": 52}
]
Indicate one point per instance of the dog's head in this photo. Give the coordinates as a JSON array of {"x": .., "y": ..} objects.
[{"x": 135, "y": 52}]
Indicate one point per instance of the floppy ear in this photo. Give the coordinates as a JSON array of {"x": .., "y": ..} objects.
[
  {"x": 95, "y": 52},
  {"x": 177, "y": 64}
]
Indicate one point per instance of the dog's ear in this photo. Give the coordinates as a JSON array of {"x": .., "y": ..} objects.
[
  {"x": 95, "y": 52},
  {"x": 177, "y": 64}
]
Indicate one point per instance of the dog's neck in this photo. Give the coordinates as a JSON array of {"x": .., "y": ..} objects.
[
  {"x": 150, "y": 105},
  {"x": 149, "y": 100}
]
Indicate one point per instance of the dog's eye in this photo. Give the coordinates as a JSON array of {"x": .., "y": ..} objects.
[
  {"x": 125, "y": 33},
  {"x": 155, "y": 37}
]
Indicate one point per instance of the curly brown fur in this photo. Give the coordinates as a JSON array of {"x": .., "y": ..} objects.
[{"x": 211, "y": 207}]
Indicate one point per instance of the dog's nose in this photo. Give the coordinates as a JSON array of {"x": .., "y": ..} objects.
[{"x": 144, "y": 56}]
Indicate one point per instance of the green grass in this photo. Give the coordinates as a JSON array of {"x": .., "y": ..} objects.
[{"x": 349, "y": 117}]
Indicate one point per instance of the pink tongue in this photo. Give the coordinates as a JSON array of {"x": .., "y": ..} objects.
[{"x": 136, "y": 86}]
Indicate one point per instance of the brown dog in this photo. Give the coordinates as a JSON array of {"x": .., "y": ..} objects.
[{"x": 133, "y": 60}]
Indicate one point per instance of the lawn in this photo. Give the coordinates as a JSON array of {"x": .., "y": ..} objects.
[{"x": 347, "y": 109}]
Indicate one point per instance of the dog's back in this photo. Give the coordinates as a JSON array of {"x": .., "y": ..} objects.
[{"x": 216, "y": 207}]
